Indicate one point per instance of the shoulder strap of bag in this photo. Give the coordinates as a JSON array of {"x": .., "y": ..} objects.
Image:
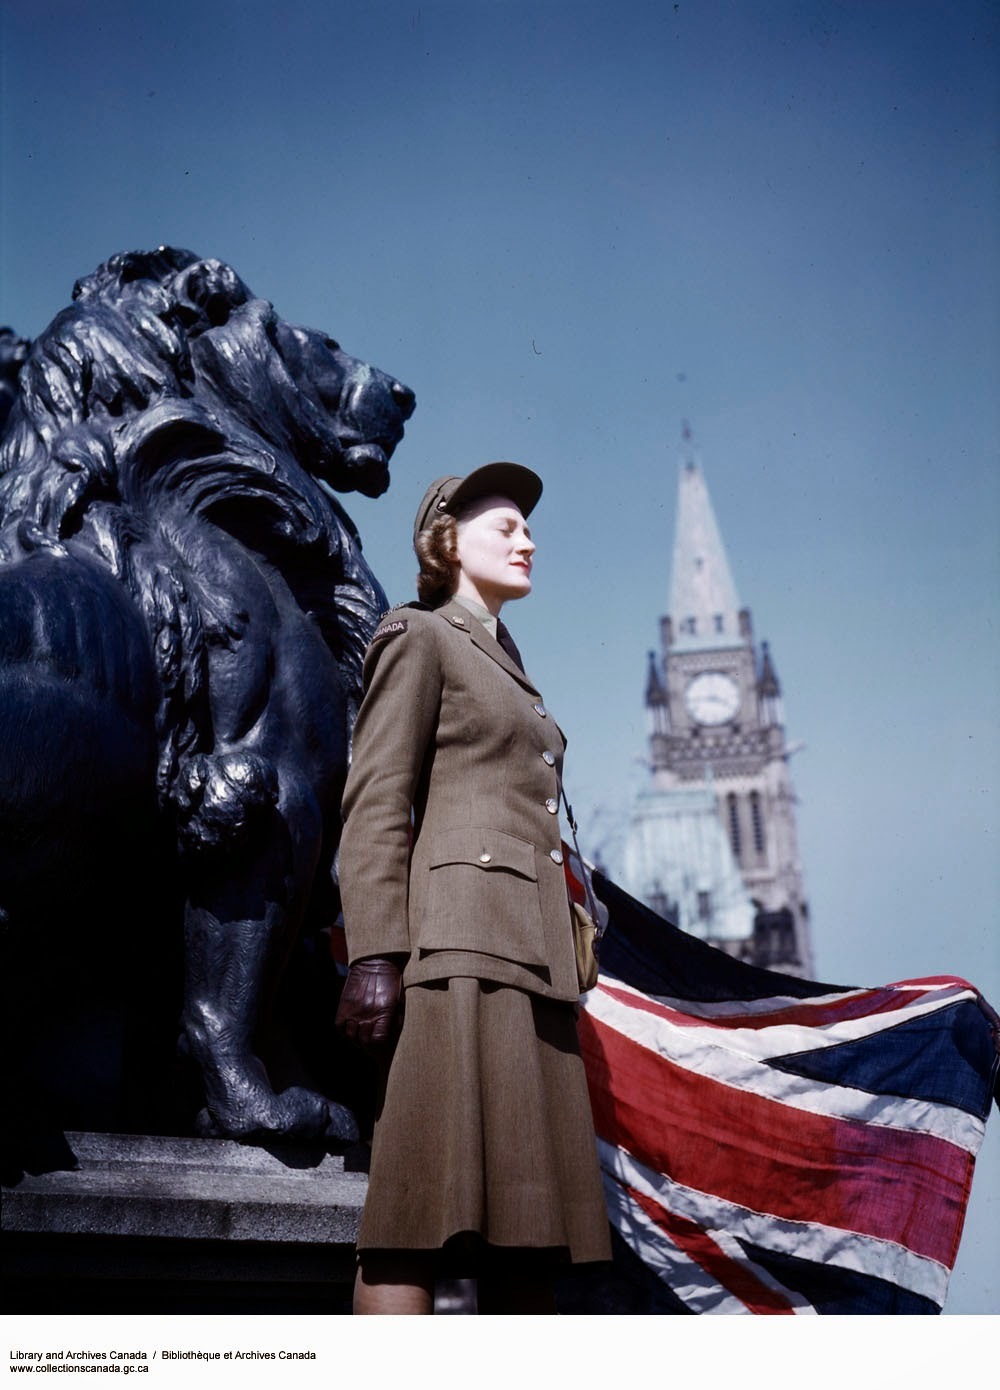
[{"x": 587, "y": 888}]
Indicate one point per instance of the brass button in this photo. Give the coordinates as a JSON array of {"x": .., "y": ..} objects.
[
  {"x": 552, "y": 805},
  {"x": 540, "y": 710},
  {"x": 485, "y": 858},
  {"x": 555, "y": 855}
]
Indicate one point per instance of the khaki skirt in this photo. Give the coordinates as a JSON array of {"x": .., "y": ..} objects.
[{"x": 484, "y": 1134}]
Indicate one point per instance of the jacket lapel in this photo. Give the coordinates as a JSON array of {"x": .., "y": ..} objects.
[{"x": 482, "y": 639}]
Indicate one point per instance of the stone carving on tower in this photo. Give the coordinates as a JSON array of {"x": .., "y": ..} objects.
[{"x": 712, "y": 840}]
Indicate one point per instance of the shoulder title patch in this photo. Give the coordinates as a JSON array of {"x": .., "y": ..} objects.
[{"x": 392, "y": 629}]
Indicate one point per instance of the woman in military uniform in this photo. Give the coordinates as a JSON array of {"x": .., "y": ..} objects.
[{"x": 463, "y": 973}]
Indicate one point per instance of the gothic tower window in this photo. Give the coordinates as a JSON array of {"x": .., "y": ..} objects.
[
  {"x": 757, "y": 820},
  {"x": 660, "y": 903},
  {"x": 734, "y": 823}
]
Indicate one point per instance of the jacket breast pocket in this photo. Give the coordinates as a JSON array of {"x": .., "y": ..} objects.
[{"x": 482, "y": 895}]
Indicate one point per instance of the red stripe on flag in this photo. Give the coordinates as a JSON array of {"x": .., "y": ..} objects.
[
  {"x": 757, "y": 1153},
  {"x": 699, "y": 1245},
  {"x": 818, "y": 1015}
]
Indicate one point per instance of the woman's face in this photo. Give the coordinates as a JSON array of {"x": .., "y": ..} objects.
[{"x": 494, "y": 552}]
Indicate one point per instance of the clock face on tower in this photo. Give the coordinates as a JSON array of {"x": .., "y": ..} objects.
[{"x": 712, "y": 698}]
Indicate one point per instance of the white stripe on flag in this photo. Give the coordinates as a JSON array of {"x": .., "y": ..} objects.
[{"x": 720, "y": 1011}]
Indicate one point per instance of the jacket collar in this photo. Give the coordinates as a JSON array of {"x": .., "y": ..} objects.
[{"x": 452, "y": 612}]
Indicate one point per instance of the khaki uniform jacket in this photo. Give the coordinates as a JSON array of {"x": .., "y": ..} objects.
[{"x": 453, "y": 730}]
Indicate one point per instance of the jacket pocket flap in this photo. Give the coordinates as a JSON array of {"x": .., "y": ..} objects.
[{"x": 485, "y": 849}]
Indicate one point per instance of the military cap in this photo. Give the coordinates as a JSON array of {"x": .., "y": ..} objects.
[{"x": 446, "y": 496}]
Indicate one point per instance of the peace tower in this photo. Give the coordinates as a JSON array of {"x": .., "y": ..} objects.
[{"x": 712, "y": 840}]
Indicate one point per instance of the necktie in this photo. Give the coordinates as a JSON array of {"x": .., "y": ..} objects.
[{"x": 509, "y": 645}]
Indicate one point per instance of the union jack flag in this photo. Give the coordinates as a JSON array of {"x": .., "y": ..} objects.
[{"x": 776, "y": 1145}]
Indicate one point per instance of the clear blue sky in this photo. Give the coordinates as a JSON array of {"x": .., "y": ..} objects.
[{"x": 569, "y": 226}]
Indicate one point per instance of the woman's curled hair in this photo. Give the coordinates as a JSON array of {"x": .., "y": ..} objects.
[{"x": 437, "y": 551}]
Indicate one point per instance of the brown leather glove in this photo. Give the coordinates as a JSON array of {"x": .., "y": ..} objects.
[{"x": 368, "y": 1013}]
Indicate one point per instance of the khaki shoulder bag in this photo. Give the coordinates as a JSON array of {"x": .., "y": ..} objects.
[{"x": 587, "y": 930}]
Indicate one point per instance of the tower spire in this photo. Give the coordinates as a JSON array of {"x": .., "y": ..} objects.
[
  {"x": 769, "y": 690},
  {"x": 704, "y": 606},
  {"x": 767, "y": 683},
  {"x": 657, "y": 706}
]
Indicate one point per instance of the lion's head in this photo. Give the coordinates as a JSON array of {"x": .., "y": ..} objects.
[{"x": 170, "y": 356}]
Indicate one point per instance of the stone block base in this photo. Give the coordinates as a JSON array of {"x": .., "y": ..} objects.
[{"x": 154, "y": 1224}]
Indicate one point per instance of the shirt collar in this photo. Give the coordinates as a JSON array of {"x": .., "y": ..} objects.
[{"x": 478, "y": 611}]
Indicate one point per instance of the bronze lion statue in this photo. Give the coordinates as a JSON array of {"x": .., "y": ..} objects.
[{"x": 184, "y": 608}]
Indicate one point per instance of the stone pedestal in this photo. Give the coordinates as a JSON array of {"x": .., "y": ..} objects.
[{"x": 152, "y": 1224}]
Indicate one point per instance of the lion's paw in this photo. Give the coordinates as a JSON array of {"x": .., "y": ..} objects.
[
  {"x": 297, "y": 1113},
  {"x": 342, "y": 1126}
]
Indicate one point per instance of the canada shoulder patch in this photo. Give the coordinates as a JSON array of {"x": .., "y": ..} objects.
[{"x": 391, "y": 629}]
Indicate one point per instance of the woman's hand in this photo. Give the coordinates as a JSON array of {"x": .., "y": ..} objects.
[{"x": 369, "y": 1004}]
